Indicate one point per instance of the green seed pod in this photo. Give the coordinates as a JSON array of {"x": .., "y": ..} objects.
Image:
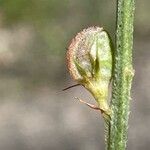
[{"x": 89, "y": 60}]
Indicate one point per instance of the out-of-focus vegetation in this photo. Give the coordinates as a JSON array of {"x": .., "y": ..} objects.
[
  {"x": 34, "y": 35},
  {"x": 39, "y": 31},
  {"x": 45, "y": 27}
]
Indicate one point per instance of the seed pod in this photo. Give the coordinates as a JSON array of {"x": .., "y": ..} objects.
[{"x": 89, "y": 60}]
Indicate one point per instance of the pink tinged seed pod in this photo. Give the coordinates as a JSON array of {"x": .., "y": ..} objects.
[
  {"x": 79, "y": 51},
  {"x": 89, "y": 60}
]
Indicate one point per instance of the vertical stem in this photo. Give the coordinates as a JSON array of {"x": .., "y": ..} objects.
[{"x": 122, "y": 76}]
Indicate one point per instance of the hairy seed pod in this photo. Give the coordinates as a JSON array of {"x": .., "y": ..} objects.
[{"x": 89, "y": 60}]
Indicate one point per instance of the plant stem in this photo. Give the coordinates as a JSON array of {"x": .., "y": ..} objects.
[{"x": 122, "y": 76}]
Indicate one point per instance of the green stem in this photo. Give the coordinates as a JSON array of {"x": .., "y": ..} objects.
[{"x": 122, "y": 76}]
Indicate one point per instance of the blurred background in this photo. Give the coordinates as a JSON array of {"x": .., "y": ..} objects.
[{"x": 34, "y": 112}]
